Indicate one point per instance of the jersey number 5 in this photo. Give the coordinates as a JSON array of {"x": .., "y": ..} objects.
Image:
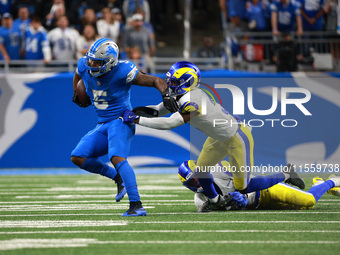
[{"x": 100, "y": 103}]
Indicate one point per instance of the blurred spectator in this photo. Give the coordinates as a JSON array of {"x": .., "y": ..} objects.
[
  {"x": 287, "y": 54},
  {"x": 89, "y": 18},
  {"x": 108, "y": 27},
  {"x": 146, "y": 24},
  {"x": 208, "y": 49},
  {"x": 285, "y": 15},
  {"x": 111, "y": 4},
  {"x": 76, "y": 9},
  {"x": 332, "y": 16},
  {"x": 5, "y": 6},
  {"x": 138, "y": 35},
  {"x": 33, "y": 6},
  {"x": 136, "y": 57},
  {"x": 256, "y": 14},
  {"x": 63, "y": 40},
  {"x": 56, "y": 10},
  {"x": 235, "y": 10},
  {"x": 36, "y": 44},
  {"x": 23, "y": 21},
  {"x": 10, "y": 39},
  {"x": 117, "y": 16},
  {"x": 312, "y": 12},
  {"x": 84, "y": 42},
  {"x": 130, "y": 6}
]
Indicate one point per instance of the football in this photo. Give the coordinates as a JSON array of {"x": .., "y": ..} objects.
[{"x": 81, "y": 92}]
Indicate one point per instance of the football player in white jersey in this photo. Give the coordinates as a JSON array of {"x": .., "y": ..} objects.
[
  {"x": 278, "y": 196},
  {"x": 196, "y": 108}
]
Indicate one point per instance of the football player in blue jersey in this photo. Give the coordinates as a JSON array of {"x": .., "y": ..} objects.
[{"x": 108, "y": 83}]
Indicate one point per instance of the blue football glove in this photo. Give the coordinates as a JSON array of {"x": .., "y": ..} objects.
[
  {"x": 241, "y": 200},
  {"x": 129, "y": 117}
]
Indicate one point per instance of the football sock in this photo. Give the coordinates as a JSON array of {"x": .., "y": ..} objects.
[
  {"x": 320, "y": 189},
  {"x": 206, "y": 180},
  {"x": 129, "y": 179},
  {"x": 264, "y": 182},
  {"x": 97, "y": 166}
]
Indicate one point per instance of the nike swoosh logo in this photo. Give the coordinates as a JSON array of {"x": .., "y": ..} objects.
[{"x": 130, "y": 117}]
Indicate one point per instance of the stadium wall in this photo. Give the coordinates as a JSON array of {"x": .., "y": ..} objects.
[{"x": 40, "y": 126}]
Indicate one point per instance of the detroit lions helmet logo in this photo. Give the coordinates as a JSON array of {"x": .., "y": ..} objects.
[{"x": 111, "y": 51}]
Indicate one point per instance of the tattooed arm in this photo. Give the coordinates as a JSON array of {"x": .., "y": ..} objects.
[{"x": 158, "y": 83}]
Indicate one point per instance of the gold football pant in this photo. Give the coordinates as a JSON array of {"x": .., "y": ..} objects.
[
  {"x": 282, "y": 196},
  {"x": 239, "y": 148}
]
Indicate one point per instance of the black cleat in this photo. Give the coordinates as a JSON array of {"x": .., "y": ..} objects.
[
  {"x": 219, "y": 206},
  {"x": 294, "y": 178},
  {"x": 136, "y": 209},
  {"x": 121, "y": 190}
]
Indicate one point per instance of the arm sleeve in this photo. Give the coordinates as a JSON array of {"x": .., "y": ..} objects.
[
  {"x": 46, "y": 49},
  {"x": 175, "y": 120},
  {"x": 162, "y": 111}
]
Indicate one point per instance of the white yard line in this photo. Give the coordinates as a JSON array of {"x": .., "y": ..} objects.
[
  {"x": 92, "y": 201},
  {"x": 63, "y": 207},
  {"x": 167, "y": 231},
  {"x": 59, "y": 223},
  {"x": 87, "y": 223},
  {"x": 15, "y": 244},
  {"x": 173, "y": 213},
  {"x": 87, "y": 196}
]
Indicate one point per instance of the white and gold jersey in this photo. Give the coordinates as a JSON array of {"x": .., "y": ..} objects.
[{"x": 213, "y": 120}]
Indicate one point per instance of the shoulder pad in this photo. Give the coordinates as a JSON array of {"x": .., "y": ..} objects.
[
  {"x": 81, "y": 68},
  {"x": 188, "y": 107}
]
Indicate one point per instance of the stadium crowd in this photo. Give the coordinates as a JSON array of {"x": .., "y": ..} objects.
[{"x": 64, "y": 30}]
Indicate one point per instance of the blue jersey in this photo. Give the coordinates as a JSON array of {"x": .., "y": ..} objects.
[
  {"x": 236, "y": 8},
  {"x": 5, "y": 6},
  {"x": 311, "y": 8},
  {"x": 21, "y": 25},
  {"x": 35, "y": 42},
  {"x": 258, "y": 13},
  {"x": 109, "y": 94},
  {"x": 286, "y": 15},
  {"x": 11, "y": 39}
]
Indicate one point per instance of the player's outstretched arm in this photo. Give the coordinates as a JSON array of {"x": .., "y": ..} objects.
[
  {"x": 158, "y": 83},
  {"x": 175, "y": 120}
]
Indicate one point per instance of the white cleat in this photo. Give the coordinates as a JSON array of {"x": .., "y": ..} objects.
[{"x": 336, "y": 190}]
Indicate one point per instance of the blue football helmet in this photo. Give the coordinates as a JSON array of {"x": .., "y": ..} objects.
[
  {"x": 183, "y": 76},
  {"x": 102, "y": 57},
  {"x": 186, "y": 172}
]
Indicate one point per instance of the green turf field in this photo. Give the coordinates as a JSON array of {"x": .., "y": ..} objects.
[{"x": 75, "y": 214}]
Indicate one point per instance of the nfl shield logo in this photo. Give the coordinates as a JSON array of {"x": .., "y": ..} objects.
[{"x": 98, "y": 83}]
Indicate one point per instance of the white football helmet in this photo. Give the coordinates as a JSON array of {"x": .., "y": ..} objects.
[{"x": 102, "y": 57}]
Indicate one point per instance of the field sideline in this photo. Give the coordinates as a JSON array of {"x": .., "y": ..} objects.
[{"x": 75, "y": 214}]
